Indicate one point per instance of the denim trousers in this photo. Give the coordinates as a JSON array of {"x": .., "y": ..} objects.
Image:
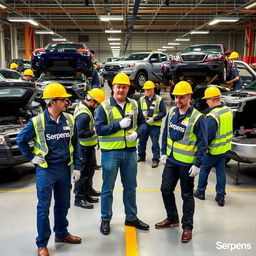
[
  {"x": 126, "y": 162},
  {"x": 55, "y": 179},
  {"x": 171, "y": 174},
  {"x": 154, "y": 132},
  {"x": 219, "y": 164}
]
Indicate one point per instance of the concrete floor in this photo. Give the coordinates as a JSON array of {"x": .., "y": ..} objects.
[{"x": 216, "y": 228}]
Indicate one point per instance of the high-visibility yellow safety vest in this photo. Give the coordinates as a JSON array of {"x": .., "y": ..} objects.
[
  {"x": 222, "y": 141},
  {"x": 93, "y": 140},
  {"x": 40, "y": 145},
  {"x": 155, "y": 102},
  {"x": 117, "y": 140},
  {"x": 185, "y": 149}
]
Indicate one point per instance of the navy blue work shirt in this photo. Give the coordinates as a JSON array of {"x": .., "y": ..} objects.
[
  {"x": 57, "y": 139},
  {"x": 177, "y": 130},
  {"x": 151, "y": 107},
  {"x": 237, "y": 85},
  {"x": 103, "y": 128}
]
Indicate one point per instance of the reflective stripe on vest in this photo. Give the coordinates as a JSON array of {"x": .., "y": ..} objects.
[
  {"x": 117, "y": 140},
  {"x": 40, "y": 145},
  {"x": 156, "y": 102},
  {"x": 93, "y": 140},
  {"x": 222, "y": 141},
  {"x": 185, "y": 149}
]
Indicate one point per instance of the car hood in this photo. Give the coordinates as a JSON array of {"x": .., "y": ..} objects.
[
  {"x": 15, "y": 94},
  {"x": 122, "y": 62}
]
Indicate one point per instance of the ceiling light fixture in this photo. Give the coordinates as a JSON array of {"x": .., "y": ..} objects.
[
  {"x": 57, "y": 39},
  {"x": 223, "y": 19},
  {"x": 162, "y": 50},
  {"x": 115, "y": 43},
  {"x": 250, "y": 6},
  {"x": 199, "y": 32},
  {"x": 44, "y": 32},
  {"x": 167, "y": 47},
  {"x": 22, "y": 19},
  {"x": 115, "y": 47},
  {"x": 2, "y": 6},
  {"x": 114, "y": 39},
  {"x": 113, "y": 31},
  {"x": 182, "y": 39},
  {"x": 173, "y": 43},
  {"x": 111, "y": 17}
]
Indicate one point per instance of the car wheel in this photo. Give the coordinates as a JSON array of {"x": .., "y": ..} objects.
[
  {"x": 223, "y": 75},
  {"x": 139, "y": 80}
]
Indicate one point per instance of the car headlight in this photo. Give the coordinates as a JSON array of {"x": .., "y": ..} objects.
[{"x": 2, "y": 140}]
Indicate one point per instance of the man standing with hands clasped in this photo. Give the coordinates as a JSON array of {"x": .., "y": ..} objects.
[
  {"x": 119, "y": 122},
  {"x": 56, "y": 149},
  {"x": 183, "y": 149}
]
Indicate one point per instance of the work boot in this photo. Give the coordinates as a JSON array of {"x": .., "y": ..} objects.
[
  {"x": 137, "y": 223},
  {"x": 42, "y": 251},
  {"x": 91, "y": 199},
  {"x": 141, "y": 159},
  {"x": 154, "y": 164},
  {"x": 167, "y": 224},
  {"x": 199, "y": 196},
  {"x": 105, "y": 227},
  {"x": 83, "y": 204},
  {"x": 186, "y": 236},
  {"x": 70, "y": 239},
  {"x": 93, "y": 192},
  {"x": 221, "y": 202}
]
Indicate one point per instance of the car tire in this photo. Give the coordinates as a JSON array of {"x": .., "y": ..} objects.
[
  {"x": 223, "y": 75},
  {"x": 139, "y": 80}
]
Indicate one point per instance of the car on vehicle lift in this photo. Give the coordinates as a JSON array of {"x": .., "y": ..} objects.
[{"x": 16, "y": 108}]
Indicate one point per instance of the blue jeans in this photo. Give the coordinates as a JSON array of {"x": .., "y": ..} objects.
[
  {"x": 112, "y": 161},
  {"x": 154, "y": 133},
  {"x": 209, "y": 162},
  {"x": 171, "y": 174},
  {"x": 55, "y": 179}
]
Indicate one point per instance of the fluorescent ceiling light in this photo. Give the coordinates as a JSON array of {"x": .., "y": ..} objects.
[
  {"x": 114, "y": 39},
  {"x": 173, "y": 43},
  {"x": 162, "y": 50},
  {"x": 182, "y": 39},
  {"x": 250, "y": 6},
  {"x": 57, "y": 39},
  {"x": 167, "y": 47},
  {"x": 44, "y": 32},
  {"x": 199, "y": 32},
  {"x": 223, "y": 19},
  {"x": 115, "y": 47},
  {"x": 110, "y": 17},
  {"x": 22, "y": 19},
  {"x": 115, "y": 43},
  {"x": 2, "y": 6},
  {"x": 113, "y": 31}
]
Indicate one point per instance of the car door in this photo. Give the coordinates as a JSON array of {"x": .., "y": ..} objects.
[
  {"x": 246, "y": 74},
  {"x": 155, "y": 67}
]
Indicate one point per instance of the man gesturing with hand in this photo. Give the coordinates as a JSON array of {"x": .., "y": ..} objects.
[
  {"x": 119, "y": 121},
  {"x": 183, "y": 148}
]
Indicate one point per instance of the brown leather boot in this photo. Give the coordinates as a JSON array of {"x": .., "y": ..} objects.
[
  {"x": 186, "y": 236},
  {"x": 42, "y": 251},
  {"x": 69, "y": 239},
  {"x": 167, "y": 224}
]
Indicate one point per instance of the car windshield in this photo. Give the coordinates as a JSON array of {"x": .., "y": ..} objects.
[
  {"x": 137, "y": 56},
  {"x": 10, "y": 74},
  {"x": 46, "y": 77},
  {"x": 64, "y": 47},
  {"x": 12, "y": 92},
  {"x": 203, "y": 48},
  {"x": 251, "y": 86}
]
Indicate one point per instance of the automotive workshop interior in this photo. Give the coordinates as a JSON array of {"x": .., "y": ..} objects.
[{"x": 161, "y": 93}]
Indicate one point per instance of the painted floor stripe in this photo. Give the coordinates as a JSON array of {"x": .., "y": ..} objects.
[
  {"x": 138, "y": 190},
  {"x": 131, "y": 246}
]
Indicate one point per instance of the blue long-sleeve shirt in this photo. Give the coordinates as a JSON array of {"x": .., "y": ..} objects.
[
  {"x": 162, "y": 108},
  {"x": 177, "y": 128},
  {"x": 57, "y": 139},
  {"x": 237, "y": 85},
  {"x": 103, "y": 128},
  {"x": 82, "y": 124}
]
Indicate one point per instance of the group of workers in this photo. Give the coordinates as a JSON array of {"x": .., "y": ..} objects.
[{"x": 191, "y": 144}]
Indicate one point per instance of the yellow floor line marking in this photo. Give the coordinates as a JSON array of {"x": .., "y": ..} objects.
[
  {"x": 131, "y": 246},
  {"x": 138, "y": 190}
]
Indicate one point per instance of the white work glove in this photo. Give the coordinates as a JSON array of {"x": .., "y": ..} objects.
[
  {"x": 163, "y": 159},
  {"x": 76, "y": 175},
  {"x": 125, "y": 122},
  {"x": 37, "y": 159},
  {"x": 132, "y": 137},
  {"x": 150, "y": 120},
  {"x": 193, "y": 171}
]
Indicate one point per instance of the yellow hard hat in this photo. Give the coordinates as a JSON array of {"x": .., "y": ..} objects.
[
  {"x": 182, "y": 88},
  {"x": 233, "y": 55},
  {"x": 148, "y": 85},
  {"x": 55, "y": 90},
  {"x": 97, "y": 94},
  {"x": 28, "y": 72},
  {"x": 211, "y": 92},
  {"x": 121, "y": 78},
  {"x": 13, "y": 66}
]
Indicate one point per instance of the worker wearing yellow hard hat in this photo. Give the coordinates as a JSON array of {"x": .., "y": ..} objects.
[
  {"x": 56, "y": 155},
  {"x": 119, "y": 122},
  {"x": 154, "y": 110},
  {"x": 28, "y": 75},
  {"x": 14, "y": 66},
  {"x": 219, "y": 122},
  {"x": 88, "y": 139},
  {"x": 184, "y": 144}
]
